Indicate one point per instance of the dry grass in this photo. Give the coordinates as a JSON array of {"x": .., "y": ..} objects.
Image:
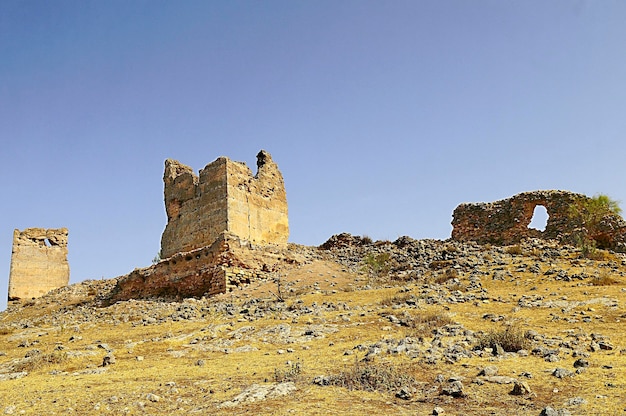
[
  {"x": 38, "y": 361},
  {"x": 510, "y": 338},
  {"x": 450, "y": 248},
  {"x": 514, "y": 250},
  {"x": 422, "y": 323},
  {"x": 449, "y": 274},
  {"x": 398, "y": 299},
  {"x": 604, "y": 279},
  {"x": 293, "y": 373},
  {"x": 440, "y": 264},
  {"x": 373, "y": 376}
]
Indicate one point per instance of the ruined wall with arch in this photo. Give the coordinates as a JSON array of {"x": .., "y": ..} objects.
[{"x": 507, "y": 221}]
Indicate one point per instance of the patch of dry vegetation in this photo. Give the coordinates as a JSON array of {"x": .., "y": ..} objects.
[
  {"x": 449, "y": 274},
  {"x": 373, "y": 376},
  {"x": 292, "y": 373},
  {"x": 604, "y": 279},
  {"x": 36, "y": 361},
  {"x": 397, "y": 299},
  {"x": 515, "y": 250},
  {"x": 422, "y": 323},
  {"x": 510, "y": 338}
]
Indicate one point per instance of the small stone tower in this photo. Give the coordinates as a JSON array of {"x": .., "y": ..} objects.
[
  {"x": 38, "y": 262},
  {"x": 225, "y": 197}
]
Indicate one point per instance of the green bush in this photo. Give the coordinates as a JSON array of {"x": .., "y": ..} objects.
[
  {"x": 377, "y": 264},
  {"x": 589, "y": 212}
]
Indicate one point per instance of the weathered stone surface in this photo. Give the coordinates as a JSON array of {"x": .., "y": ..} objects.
[
  {"x": 224, "y": 265},
  {"x": 190, "y": 274},
  {"x": 506, "y": 221},
  {"x": 38, "y": 262},
  {"x": 225, "y": 197},
  {"x": 258, "y": 392},
  {"x": 454, "y": 389},
  {"x": 521, "y": 388}
]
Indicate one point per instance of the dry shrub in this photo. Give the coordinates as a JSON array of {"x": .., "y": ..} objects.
[
  {"x": 452, "y": 273},
  {"x": 38, "y": 360},
  {"x": 594, "y": 254},
  {"x": 349, "y": 288},
  {"x": 601, "y": 255},
  {"x": 292, "y": 373},
  {"x": 301, "y": 290},
  {"x": 370, "y": 376},
  {"x": 447, "y": 275},
  {"x": 439, "y": 264},
  {"x": 423, "y": 323},
  {"x": 514, "y": 250},
  {"x": 396, "y": 299},
  {"x": 5, "y": 330},
  {"x": 604, "y": 279},
  {"x": 450, "y": 248},
  {"x": 511, "y": 338}
]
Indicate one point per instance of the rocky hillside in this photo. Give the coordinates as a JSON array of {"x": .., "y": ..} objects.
[{"x": 355, "y": 327}]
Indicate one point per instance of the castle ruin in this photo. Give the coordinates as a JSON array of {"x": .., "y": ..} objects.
[
  {"x": 225, "y": 197},
  {"x": 507, "y": 221},
  {"x": 38, "y": 262},
  {"x": 225, "y": 228}
]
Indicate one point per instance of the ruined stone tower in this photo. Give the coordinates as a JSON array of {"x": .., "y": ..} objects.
[
  {"x": 38, "y": 262},
  {"x": 225, "y": 197}
]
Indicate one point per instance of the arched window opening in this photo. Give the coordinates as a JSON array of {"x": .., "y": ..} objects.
[{"x": 540, "y": 218}]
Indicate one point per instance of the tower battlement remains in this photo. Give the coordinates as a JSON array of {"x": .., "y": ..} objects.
[{"x": 224, "y": 197}]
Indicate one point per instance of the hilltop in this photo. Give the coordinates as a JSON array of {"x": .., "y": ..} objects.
[{"x": 352, "y": 327}]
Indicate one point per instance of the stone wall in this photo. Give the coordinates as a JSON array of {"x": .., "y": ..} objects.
[
  {"x": 225, "y": 197},
  {"x": 226, "y": 264},
  {"x": 191, "y": 274},
  {"x": 38, "y": 262},
  {"x": 506, "y": 221}
]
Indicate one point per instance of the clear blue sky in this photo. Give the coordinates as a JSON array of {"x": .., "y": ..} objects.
[{"x": 382, "y": 115}]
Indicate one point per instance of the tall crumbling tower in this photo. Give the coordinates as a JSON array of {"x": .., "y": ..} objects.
[
  {"x": 38, "y": 262},
  {"x": 225, "y": 197}
]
